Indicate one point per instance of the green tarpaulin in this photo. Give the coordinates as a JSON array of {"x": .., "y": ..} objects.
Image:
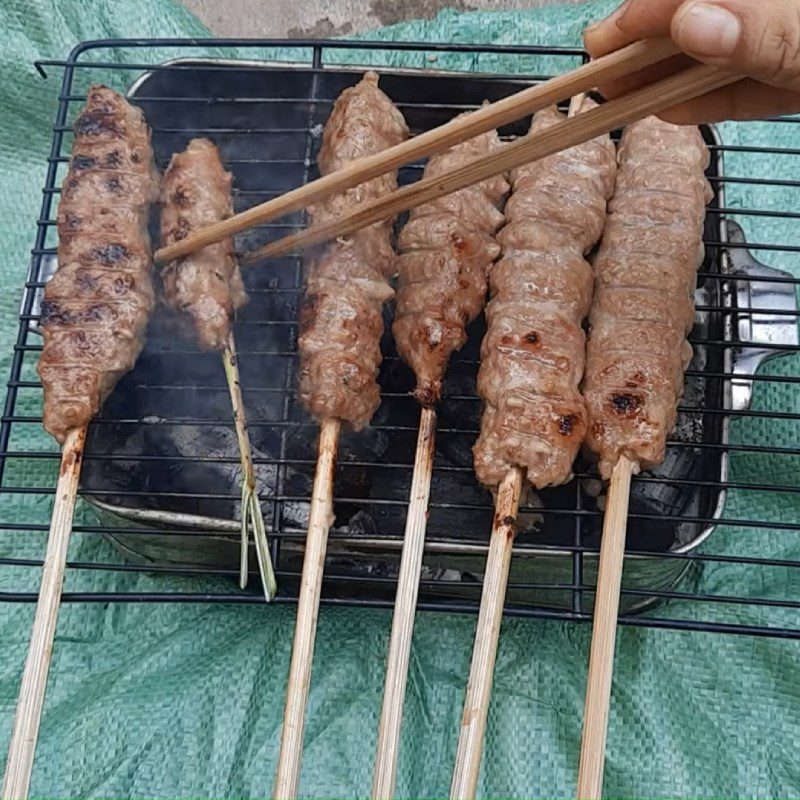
[{"x": 185, "y": 701}]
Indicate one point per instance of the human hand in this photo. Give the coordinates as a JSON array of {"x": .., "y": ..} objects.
[{"x": 760, "y": 40}]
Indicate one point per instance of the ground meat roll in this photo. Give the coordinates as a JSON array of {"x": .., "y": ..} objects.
[
  {"x": 207, "y": 284},
  {"x": 644, "y": 293},
  {"x": 347, "y": 282},
  {"x": 97, "y": 305},
  {"x": 533, "y": 352}
]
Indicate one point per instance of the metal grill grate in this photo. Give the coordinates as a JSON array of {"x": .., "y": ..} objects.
[{"x": 160, "y": 469}]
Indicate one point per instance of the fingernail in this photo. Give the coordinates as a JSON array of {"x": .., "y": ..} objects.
[
  {"x": 707, "y": 30},
  {"x": 617, "y": 16},
  {"x": 614, "y": 17}
]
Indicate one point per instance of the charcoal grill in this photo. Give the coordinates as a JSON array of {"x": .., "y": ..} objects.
[{"x": 160, "y": 469}]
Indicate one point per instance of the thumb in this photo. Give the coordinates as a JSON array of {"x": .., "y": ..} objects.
[{"x": 759, "y": 39}]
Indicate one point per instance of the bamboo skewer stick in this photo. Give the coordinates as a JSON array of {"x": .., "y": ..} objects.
[
  {"x": 487, "y": 635},
  {"x": 604, "y": 633},
  {"x": 28, "y": 716},
  {"x": 617, "y": 113},
  {"x": 319, "y": 521},
  {"x": 383, "y": 783},
  {"x": 626, "y": 61},
  {"x": 251, "y": 513}
]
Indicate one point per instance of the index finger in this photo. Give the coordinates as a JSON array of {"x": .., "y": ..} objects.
[{"x": 632, "y": 21}]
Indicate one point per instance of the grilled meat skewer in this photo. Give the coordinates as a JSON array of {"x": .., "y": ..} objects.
[
  {"x": 94, "y": 315},
  {"x": 341, "y": 323},
  {"x": 447, "y": 249},
  {"x": 529, "y": 376},
  {"x": 644, "y": 293},
  {"x": 97, "y": 305},
  {"x": 533, "y": 352},
  {"x": 207, "y": 286},
  {"x": 637, "y": 353}
]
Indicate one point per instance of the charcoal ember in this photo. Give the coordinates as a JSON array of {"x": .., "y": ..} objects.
[{"x": 361, "y": 524}]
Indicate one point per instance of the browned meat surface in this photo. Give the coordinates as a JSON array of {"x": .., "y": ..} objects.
[
  {"x": 206, "y": 285},
  {"x": 533, "y": 353},
  {"x": 644, "y": 293},
  {"x": 446, "y": 250},
  {"x": 96, "y": 306},
  {"x": 347, "y": 283}
]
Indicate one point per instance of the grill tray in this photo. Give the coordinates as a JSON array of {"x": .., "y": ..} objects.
[
  {"x": 268, "y": 153},
  {"x": 162, "y": 470}
]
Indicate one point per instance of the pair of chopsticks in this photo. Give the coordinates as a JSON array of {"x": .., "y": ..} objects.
[
  {"x": 691, "y": 82},
  {"x": 655, "y": 97}
]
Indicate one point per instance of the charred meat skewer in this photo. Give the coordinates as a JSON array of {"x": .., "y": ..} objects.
[
  {"x": 347, "y": 282},
  {"x": 207, "y": 285},
  {"x": 94, "y": 314}
]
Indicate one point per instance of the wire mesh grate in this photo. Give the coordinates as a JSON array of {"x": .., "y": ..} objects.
[{"x": 157, "y": 518}]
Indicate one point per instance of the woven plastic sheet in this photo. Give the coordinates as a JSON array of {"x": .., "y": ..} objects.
[{"x": 186, "y": 700}]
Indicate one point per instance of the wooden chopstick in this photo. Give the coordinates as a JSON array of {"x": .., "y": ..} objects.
[
  {"x": 617, "y": 113},
  {"x": 630, "y": 59}
]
